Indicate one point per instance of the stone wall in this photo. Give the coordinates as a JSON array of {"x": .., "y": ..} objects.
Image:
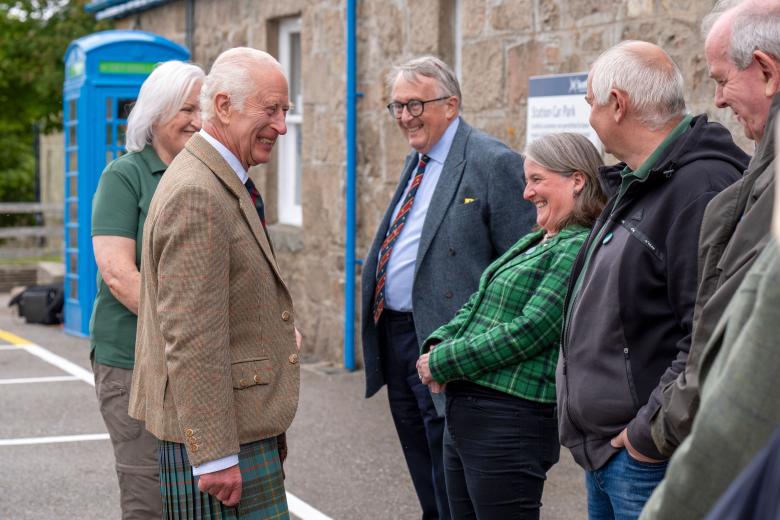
[{"x": 503, "y": 43}]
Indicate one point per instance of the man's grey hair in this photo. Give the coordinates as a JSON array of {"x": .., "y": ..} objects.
[
  {"x": 655, "y": 90},
  {"x": 428, "y": 67},
  {"x": 231, "y": 74},
  {"x": 756, "y": 26},
  {"x": 720, "y": 7},
  {"x": 161, "y": 97}
]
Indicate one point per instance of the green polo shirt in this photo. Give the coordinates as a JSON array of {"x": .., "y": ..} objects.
[{"x": 119, "y": 208}]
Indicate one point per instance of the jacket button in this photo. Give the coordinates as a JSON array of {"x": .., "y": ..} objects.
[
  {"x": 243, "y": 382},
  {"x": 451, "y": 252},
  {"x": 293, "y": 358},
  {"x": 448, "y": 295},
  {"x": 256, "y": 379},
  {"x": 286, "y": 316},
  {"x": 188, "y": 432}
]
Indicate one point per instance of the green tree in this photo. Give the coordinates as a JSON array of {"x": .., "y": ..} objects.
[{"x": 34, "y": 35}]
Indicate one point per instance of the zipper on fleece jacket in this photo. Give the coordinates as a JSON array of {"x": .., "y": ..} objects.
[{"x": 575, "y": 291}]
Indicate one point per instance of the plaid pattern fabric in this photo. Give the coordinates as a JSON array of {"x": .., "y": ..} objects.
[
  {"x": 262, "y": 490},
  {"x": 507, "y": 335}
]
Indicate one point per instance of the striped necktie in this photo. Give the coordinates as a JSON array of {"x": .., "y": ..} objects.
[
  {"x": 392, "y": 236},
  {"x": 256, "y": 199}
]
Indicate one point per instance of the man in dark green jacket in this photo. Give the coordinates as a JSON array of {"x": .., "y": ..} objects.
[{"x": 743, "y": 54}]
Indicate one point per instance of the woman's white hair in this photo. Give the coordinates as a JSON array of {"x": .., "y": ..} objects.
[
  {"x": 655, "y": 89},
  {"x": 231, "y": 74},
  {"x": 161, "y": 96}
]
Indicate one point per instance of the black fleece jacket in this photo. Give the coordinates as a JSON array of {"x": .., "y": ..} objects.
[{"x": 627, "y": 332}]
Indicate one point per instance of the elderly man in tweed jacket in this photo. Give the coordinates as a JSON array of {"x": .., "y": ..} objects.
[{"x": 217, "y": 371}]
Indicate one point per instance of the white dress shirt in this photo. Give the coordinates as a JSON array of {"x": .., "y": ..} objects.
[{"x": 399, "y": 277}]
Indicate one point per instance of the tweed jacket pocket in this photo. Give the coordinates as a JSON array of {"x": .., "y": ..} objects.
[{"x": 251, "y": 372}]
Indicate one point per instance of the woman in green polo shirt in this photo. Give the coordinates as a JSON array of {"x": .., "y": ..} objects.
[
  {"x": 498, "y": 355},
  {"x": 163, "y": 118}
]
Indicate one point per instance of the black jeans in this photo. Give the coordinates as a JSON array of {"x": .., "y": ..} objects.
[
  {"x": 497, "y": 451},
  {"x": 420, "y": 429}
]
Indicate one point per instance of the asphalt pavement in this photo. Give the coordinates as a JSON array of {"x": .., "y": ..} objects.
[{"x": 345, "y": 461}]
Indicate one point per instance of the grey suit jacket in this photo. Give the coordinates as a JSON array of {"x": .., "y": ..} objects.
[{"x": 459, "y": 239}]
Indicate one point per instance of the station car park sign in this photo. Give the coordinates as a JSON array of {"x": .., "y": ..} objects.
[{"x": 557, "y": 104}]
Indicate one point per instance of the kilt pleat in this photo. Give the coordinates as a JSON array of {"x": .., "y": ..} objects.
[{"x": 262, "y": 490}]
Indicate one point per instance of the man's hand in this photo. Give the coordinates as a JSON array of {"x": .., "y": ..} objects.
[
  {"x": 621, "y": 441},
  {"x": 224, "y": 485},
  {"x": 298, "y": 339}
]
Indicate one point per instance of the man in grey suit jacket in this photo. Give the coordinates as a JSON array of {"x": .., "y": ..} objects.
[{"x": 459, "y": 205}]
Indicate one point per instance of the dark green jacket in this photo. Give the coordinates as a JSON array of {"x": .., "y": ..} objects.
[{"x": 506, "y": 336}]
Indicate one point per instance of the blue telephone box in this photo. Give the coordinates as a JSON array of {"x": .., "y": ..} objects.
[{"x": 103, "y": 74}]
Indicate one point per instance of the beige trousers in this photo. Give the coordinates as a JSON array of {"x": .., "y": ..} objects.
[{"x": 135, "y": 449}]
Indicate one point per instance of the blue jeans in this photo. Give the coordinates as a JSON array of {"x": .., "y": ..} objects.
[{"x": 619, "y": 489}]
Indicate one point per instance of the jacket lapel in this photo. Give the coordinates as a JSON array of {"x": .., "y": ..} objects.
[
  {"x": 449, "y": 180},
  {"x": 201, "y": 149}
]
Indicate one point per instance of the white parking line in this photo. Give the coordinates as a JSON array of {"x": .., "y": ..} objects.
[
  {"x": 303, "y": 510},
  {"x": 297, "y": 506},
  {"x": 53, "y": 440},
  {"x": 52, "y": 379}
]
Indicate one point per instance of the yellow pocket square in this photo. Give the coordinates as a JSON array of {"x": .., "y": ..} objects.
[{"x": 468, "y": 200}]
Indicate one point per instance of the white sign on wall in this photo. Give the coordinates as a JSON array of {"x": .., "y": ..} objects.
[{"x": 557, "y": 104}]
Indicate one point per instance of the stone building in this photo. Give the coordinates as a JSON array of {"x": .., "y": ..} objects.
[{"x": 495, "y": 46}]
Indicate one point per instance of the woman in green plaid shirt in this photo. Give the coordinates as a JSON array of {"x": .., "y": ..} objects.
[{"x": 497, "y": 356}]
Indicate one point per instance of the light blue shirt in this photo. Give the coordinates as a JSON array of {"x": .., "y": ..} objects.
[
  {"x": 399, "y": 276},
  {"x": 226, "y": 154},
  {"x": 231, "y": 460}
]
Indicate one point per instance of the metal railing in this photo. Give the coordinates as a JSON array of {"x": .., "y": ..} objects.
[{"x": 32, "y": 241}]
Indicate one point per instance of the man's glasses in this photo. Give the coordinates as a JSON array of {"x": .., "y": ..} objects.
[{"x": 415, "y": 107}]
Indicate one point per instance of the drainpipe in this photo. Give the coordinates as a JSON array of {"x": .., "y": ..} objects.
[{"x": 351, "y": 198}]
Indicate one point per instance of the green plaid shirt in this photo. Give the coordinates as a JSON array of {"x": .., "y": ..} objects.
[{"x": 507, "y": 335}]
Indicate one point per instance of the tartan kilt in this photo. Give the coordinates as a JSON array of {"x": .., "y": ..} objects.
[{"x": 262, "y": 488}]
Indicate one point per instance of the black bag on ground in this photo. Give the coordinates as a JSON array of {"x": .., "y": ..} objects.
[{"x": 41, "y": 303}]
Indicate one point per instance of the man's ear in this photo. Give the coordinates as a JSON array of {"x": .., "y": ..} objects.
[
  {"x": 770, "y": 71},
  {"x": 222, "y": 107},
  {"x": 452, "y": 107},
  {"x": 618, "y": 100}
]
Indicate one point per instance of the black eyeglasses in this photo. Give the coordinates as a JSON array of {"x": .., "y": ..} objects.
[{"x": 415, "y": 107}]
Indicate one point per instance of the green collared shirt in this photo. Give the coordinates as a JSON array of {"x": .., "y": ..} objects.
[
  {"x": 506, "y": 336},
  {"x": 119, "y": 208},
  {"x": 629, "y": 176}
]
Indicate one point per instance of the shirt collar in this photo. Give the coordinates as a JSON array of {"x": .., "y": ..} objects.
[
  {"x": 441, "y": 150},
  {"x": 226, "y": 154},
  {"x": 643, "y": 170},
  {"x": 152, "y": 160}
]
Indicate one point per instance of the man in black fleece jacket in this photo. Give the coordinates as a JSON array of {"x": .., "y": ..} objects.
[{"x": 630, "y": 302}]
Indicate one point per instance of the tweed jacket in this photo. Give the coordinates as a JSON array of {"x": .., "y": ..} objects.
[
  {"x": 476, "y": 214},
  {"x": 216, "y": 363},
  {"x": 507, "y": 335},
  {"x": 739, "y": 398}
]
